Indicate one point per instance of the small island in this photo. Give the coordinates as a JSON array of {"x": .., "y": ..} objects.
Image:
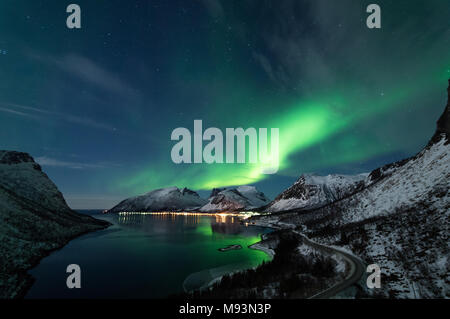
[{"x": 231, "y": 247}]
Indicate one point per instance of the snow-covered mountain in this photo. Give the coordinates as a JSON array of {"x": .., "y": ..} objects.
[
  {"x": 311, "y": 191},
  {"x": 234, "y": 199},
  {"x": 34, "y": 219},
  {"x": 164, "y": 199},
  {"x": 400, "y": 221}
]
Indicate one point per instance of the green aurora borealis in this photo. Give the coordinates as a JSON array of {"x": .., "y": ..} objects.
[
  {"x": 97, "y": 106},
  {"x": 305, "y": 124}
]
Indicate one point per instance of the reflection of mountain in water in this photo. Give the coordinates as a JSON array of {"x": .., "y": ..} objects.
[
  {"x": 170, "y": 219},
  {"x": 226, "y": 228},
  {"x": 158, "y": 224}
]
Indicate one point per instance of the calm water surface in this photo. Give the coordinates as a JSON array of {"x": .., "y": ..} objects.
[{"x": 148, "y": 256}]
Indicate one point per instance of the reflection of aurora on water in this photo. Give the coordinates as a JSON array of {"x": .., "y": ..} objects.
[{"x": 152, "y": 250}]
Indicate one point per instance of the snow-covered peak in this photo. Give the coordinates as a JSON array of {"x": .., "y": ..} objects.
[
  {"x": 170, "y": 198},
  {"x": 254, "y": 196},
  {"x": 234, "y": 199},
  {"x": 162, "y": 192},
  {"x": 312, "y": 190}
]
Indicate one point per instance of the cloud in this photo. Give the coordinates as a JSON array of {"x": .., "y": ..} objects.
[
  {"x": 38, "y": 114},
  {"x": 47, "y": 161},
  {"x": 278, "y": 76},
  {"x": 90, "y": 72},
  {"x": 315, "y": 44},
  {"x": 265, "y": 64},
  {"x": 7, "y": 110}
]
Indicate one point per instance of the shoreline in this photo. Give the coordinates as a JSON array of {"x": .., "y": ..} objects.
[
  {"x": 29, "y": 280},
  {"x": 255, "y": 246},
  {"x": 343, "y": 281},
  {"x": 26, "y": 280}
]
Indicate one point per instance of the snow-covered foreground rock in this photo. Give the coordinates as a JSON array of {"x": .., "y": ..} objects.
[
  {"x": 312, "y": 191},
  {"x": 164, "y": 199},
  {"x": 235, "y": 199},
  {"x": 34, "y": 219}
]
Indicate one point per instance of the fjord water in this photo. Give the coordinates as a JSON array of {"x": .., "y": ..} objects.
[{"x": 148, "y": 256}]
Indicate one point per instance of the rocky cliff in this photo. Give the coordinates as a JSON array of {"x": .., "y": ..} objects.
[{"x": 34, "y": 220}]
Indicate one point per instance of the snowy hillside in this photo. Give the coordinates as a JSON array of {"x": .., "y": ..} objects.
[
  {"x": 401, "y": 223},
  {"x": 311, "y": 191},
  {"x": 34, "y": 219},
  {"x": 164, "y": 199},
  {"x": 423, "y": 178}
]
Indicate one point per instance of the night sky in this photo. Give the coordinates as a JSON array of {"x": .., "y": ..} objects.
[{"x": 96, "y": 106}]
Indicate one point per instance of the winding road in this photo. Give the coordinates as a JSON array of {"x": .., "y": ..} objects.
[{"x": 357, "y": 270}]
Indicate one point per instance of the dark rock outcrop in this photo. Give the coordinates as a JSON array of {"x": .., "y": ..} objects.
[
  {"x": 13, "y": 157},
  {"x": 443, "y": 123},
  {"x": 442, "y": 129},
  {"x": 216, "y": 191}
]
